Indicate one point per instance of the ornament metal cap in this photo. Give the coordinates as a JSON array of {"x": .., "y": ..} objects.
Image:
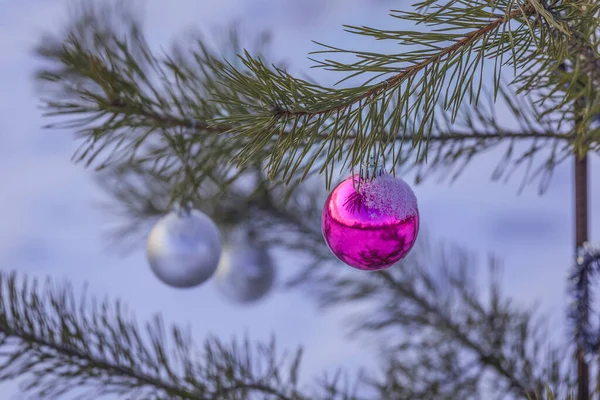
[{"x": 375, "y": 167}]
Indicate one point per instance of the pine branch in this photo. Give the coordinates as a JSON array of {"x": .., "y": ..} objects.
[
  {"x": 363, "y": 109},
  {"x": 565, "y": 71},
  {"x": 440, "y": 336},
  {"x": 121, "y": 97},
  {"x": 65, "y": 346},
  {"x": 393, "y": 82},
  {"x": 202, "y": 127}
]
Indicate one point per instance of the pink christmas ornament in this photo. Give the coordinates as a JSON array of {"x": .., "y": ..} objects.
[{"x": 371, "y": 226}]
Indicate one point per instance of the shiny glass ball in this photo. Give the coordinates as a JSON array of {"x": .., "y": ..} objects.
[
  {"x": 246, "y": 272},
  {"x": 184, "y": 248},
  {"x": 370, "y": 225}
]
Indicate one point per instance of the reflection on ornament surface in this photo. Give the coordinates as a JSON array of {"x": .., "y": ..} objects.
[
  {"x": 184, "y": 248},
  {"x": 373, "y": 227},
  {"x": 246, "y": 272}
]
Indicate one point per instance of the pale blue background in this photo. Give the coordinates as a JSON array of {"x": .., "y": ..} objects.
[{"x": 49, "y": 225}]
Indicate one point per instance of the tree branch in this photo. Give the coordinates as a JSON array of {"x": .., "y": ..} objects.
[
  {"x": 64, "y": 345},
  {"x": 115, "y": 105},
  {"x": 172, "y": 121},
  {"x": 92, "y": 361},
  {"x": 430, "y": 318},
  {"x": 443, "y": 321},
  {"x": 394, "y": 81}
]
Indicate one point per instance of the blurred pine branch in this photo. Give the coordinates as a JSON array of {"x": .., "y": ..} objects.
[{"x": 441, "y": 338}]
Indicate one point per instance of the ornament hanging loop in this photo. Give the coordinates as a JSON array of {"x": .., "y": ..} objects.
[
  {"x": 251, "y": 234},
  {"x": 375, "y": 167},
  {"x": 185, "y": 205},
  {"x": 184, "y": 208}
]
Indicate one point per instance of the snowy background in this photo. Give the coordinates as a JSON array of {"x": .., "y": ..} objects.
[{"x": 50, "y": 226}]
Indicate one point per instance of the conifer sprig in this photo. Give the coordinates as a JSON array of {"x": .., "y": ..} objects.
[
  {"x": 441, "y": 75},
  {"x": 445, "y": 336},
  {"x": 104, "y": 81},
  {"x": 66, "y": 346}
]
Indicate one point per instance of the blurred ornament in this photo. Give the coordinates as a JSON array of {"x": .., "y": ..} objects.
[
  {"x": 246, "y": 272},
  {"x": 184, "y": 248},
  {"x": 373, "y": 225}
]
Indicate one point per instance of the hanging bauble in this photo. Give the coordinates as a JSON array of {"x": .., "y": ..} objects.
[
  {"x": 184, "y": 248},
  {"x": 246, "y": 272},
  {"x": 371, "y": 224}
]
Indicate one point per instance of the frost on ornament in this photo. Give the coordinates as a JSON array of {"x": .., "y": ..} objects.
[
  {"x": 184, "y": 248},
  {"x": 373, "y": 225},
  {"x": 246, "y": 273}
]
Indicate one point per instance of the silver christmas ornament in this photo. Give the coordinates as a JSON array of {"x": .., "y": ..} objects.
[
  {"x": 246, "y": 272},
  {"x": 184, "y": 248}
]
